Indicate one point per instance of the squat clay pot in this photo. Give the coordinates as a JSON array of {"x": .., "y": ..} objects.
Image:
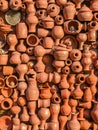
[{"x": 15, "y": 4}]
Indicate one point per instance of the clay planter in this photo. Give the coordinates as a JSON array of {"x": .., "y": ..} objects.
[
  {"x": 3, "y": 59},
  {"x": 2, "y": 83},
  {"x": 11, "y": 81}
]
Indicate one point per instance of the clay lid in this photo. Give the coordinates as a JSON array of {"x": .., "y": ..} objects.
[
  {"x": 48, "y": 19},
  {"x": 84, "y": 9}
]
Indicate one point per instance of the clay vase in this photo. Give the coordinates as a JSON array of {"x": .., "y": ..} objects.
[
  {"x": 24, "y": 116},
  {"x": 32, "y": 22},
  {"x": 2, "y": 83},
  {"x": 45, "y": 92},
  {"x": 64, "y": 83},
  {"x": 71, "y": 81},
  {"x": 11, "y": 81},
  {"x": 53, "y": 10},
  {"x": 32, "y": 92},
  {"x": 77, "y": 93},
  {"x": 80, "y": 78},
  {"x": 73, "y": 124},
  {"x": 78, "y": 3},
  {"x": 21, "y": 69},
  {"x": 35, "y": 122},
  {"x": 86, "y": 59},
  {"x": 32, "y": 107},
  {"x": 75, "y": 55},
  {"x": 85, "y": 14},
  {"x": 61, "y": 2},
  {"x": 59, "y": 20},
  {"x": 43, "y": 103},
  {"x": 6, "y": 104},
  {"x": 4, "y": 5},
  {"x": 41, "y": 32},
  {"x": 15, "y": 95},
  {"x": 73, "y": 104},
  {"x": 81, "y": 37},
  {"x": 3, "y": 59},
  {"x": 57, "y": 33},
  {"x": 94, "y": 112},
  {"x": 65, "y": 94},
  {"x": 54, "y": 110},
  {"x": 69, "y": 11},
  {"x": 87, "y": 96},
  {"x": 12, "y": 41},
  {"x": 41, "y": 4},
  {"x": 62, "y": 121},
  {"x": 85, "y": 125},
  {"x": 15, "y": 4},
  {"x": 15, "y": 58},
  {"x": 44, "y": 114},
  {"x": 65, "y": 108},
  {"x": 94, "y": 5},
  {"x": 22, "y": 86}
]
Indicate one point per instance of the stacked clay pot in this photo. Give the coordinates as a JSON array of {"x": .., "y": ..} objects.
[{"x": 49, "y": 65}]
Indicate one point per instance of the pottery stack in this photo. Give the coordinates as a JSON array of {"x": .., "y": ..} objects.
[{"x": 49, "y": 65}]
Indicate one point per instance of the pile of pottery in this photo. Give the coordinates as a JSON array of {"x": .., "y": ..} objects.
[{"x": 48, "y": 64}]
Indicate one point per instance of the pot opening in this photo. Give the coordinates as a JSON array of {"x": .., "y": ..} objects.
[
  {"x": 77, "y": 67},
  {"x": 82, "y": 78},
  {"x": 76, "y": 54},
  {"x": 96, "y": 15},
  {"x": 93, "y": 24},
  {"x": 6, "y": 104},
  {"x": 73, "y": 26},
  {"x": 16, "y": 2},
  {"x": 32, "y": 40}
]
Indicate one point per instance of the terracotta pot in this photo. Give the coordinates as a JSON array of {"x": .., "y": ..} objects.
[
  {"x": 1, "y": 98},
  {"x": 42, "y": 77},
  {"x": 64, "y": 83},
  {"x": 94, "y": 5},
  {"x": 24, "y": 116},
  {"x": 16, "y": 110},
  {"x": 43, "y": 103},
  {"x": 87, "y": 96},
  {"x": 61, "y": 2},
  {"x": 56, "y": 98},
  {"x": 80, "y": 78},
  {"x": 71, "y": 81},
  {"x": 15, "y": 95},
  {"x": 52, "y": 126},
  {"x": 81, "y": 113},
  {"x": 3, "y": 59},
  {"x": 15, "y": 4},
  {"x": 65, "y": 93},
  {"x": 11, "y": 81},
  {"x": 96, "y": 16},
  {"x": 32, "y": 107},
  {"x": 73, "y": 124},
  {"x": 6, "y": 104},
  {"x": 59, "y": 19},
  {"x": 76, "y": 67},
  {"x": 21, "y": 47},
  {"x": 54, "y": 110},
  {"x": 66, "y": 70},
  {"x": 78, "y": 3},
  {"x": 21, "y": 69},
  {"x": 44, "y": 114},
  {"x": 85, "y": 14},
  {"x": 62, "y": 121},
  {"x": 93, "y": 25},
  {"x": 41, "y": 32},
  {"x": 6, "y": 92},
  {"x": 2, "y": 83},
  {"x": 21, "y": 101},
  {"x": 53, "y": 10},
  {"x": 73, "y": 104},
  {"x": 69, "y": 11},
  {"x": 86, "y": 105},
  {"x": 8, "y": 70},
  {"x": 41, "y": 4},
  {"x": 32, "y": 22},
  {"x": 92, "y": 35},
  {"x": 94, "y": 112},
  {"x": 85, "y": 124},
  {"x": 4, "y": 5},
  {"x": 47, "y": 42},
  {"x": 41, "y": 13},
  {"x": 32, "y": 40},
  {"x": 22, "y": 86},
  {"x": 75, "y": 55}
]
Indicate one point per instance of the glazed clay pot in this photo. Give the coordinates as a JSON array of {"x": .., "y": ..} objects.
[
  {"x": 40, "y": 4},
  {"x": 85, "y": 14},
  {"x": 62, "y": 121},
  {"x": 6, "y": 104},
  {"x": 4, "y": 5},
  {"x": 69, "y": 11},
  {"x": 15, "y": 4},
  {"x": 3, "y": 59},
  {"x": 73, "y": 124},
  {"x": 94, "y": 5},
  {"x": 78, "y": 3},
  {"x": 94, "y": 112}
]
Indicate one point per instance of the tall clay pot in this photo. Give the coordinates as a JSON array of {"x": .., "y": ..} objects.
[{"x": 64, "y": 83}]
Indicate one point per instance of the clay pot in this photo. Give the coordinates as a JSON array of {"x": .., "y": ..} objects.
[
  {"x": 6, "y": 104},
  {"x": 22, "y": 86},
  {"x": 32, "y": 107},
  {"x": 80, "y": 78},
  {"x": 4, "y": 5},
  {"x": 78, "y": 3},
  {"x": 81, "y": 113},
  {"x": 15, "y": 58},
  {"x": 32, "y": 22},
  {"x": 94, "y": 5},
  {"x": 21, "y": 69},
  {"x": 96, "y": 16},
  {"x": 21, "y": 101},
  {"x": 94, "y": 112},
  {"x": 12, "y": 41},
  {"x": 8, "y": 70},
  {"x": 76, "y": 67},
  {"x": 59, "y": 20},
  {"x": 44, "y": 114},
  {"x": 40, "y": 4},
  {"x": 2, "y": 83},
  {"x": 93, "y": 25},
  {"x": 65, "y": 108},
  {"x": 24, "y": 116},
  {"x": 65, "y": 93},
  {"x": 3, "y": 59},
  {"x": 45, "y": 92},
  {"x": 21, "y": 47},
  {"x": 62, "y": 121},
  {"x": 11, "y": 81},
  {"x": 71, "y": 81},
  {"x": 73, "y": 124},
  {"x": 86, "y": 105},
  {"x": 85, "y": 14},
  {"x": 61, "y": 2},
  {"x": 85, "y": 124},
  {"x": 92, "y": 35},
  {"x": 56, "y": 98},
  {"x": 43, "y": 103},
  {"x": 69, "y": 11},
  {"x": 73, "y": 104},
  {"x": 15, "y": 4},
  {"x": 57, "y": 33},
  {"x": 15, "y": 95},
  {"x": 81, "y": 37},
  {"x": 72, "y": 27},
  {"x": 42, "y": 77},
  {"x": 54, "y": 110},
  {"x": 53, "y": 10},
  {"x": 75, "y": 55},
  {"x": 47, "y": 43},
  {"x": 64, "y": 83},
  {"x": 87, "y": 96},
  {"x": 6, "y": 92},
  {"x": 41, "y": 14}
]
